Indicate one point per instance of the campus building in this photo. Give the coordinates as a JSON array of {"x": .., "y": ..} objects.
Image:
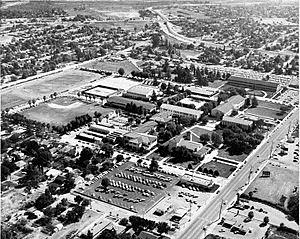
[
  {"x": 141, "y": 92},
  {"x": 139, "y": 140},
  {"x": 253, "y": 84},
  {"x": 203, "y": 93},
  {"x": 181, "y": 111},
  {"x": 233, "y": 103},
  {"x": 245, "y": 124},
  {"x": 121, "y": 102}
]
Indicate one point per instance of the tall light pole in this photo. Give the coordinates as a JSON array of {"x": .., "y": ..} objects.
[
  {"x": 221, "y": 206},
  {"x": 250, "y": 172}
]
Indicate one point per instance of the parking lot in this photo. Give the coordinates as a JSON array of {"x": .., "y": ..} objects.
[
  {"x": 133, "y": 187},
  {"x": 289, "y": 97}
]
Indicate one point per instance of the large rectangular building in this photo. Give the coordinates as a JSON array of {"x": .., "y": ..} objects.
[
  {"x": 233, "y": 103},
  {"x": 141, "y": 92},
  {"x": 181, "y": 111},
  {"x": 203, "y": 93},
  {"x": 245, "y": 124},
  {"x": 253, "y": 84},
  {"x": 121, "y": 102}
]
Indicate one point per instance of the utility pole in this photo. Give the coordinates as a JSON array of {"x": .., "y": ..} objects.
[
  {"x": 249, "y": 176},
  {"x": 271, "y": 150},
  {"x": 221, "y": 206}
]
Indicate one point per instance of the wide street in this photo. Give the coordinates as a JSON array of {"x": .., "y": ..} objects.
[{"x": 228, "y": 193}]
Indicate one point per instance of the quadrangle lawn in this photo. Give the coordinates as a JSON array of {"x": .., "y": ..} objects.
[
  {"x": 225, "y": 154},
  {"x": 45, "y": 86},
  {"x": 265, "y": 112},
  {"x": 281, "y": 182},
  {"x": 62, "y": 110}
]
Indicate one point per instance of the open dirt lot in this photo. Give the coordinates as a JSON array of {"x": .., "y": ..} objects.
[
  {"x": 113, "y": 66},
  {"x": 44, "y": 87},
  {"x": 62, "y": 110},
  {"x": 280, "y": 183}
]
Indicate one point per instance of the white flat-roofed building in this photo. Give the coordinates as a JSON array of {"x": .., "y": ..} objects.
[
  {"x": 141, "y": 92},
  {"x": 189, "y": 101},
  {"x": 203, "y": 93},
  {"x": 181, "y": 111},
  {"x": 245, "y": 124},
  {"x": 101, "y": 92},
  {"x": 196, "y": 180}
]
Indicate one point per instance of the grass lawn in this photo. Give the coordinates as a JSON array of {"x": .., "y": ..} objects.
[
  {"x": 154, "y": 155},
  {"x": 62, "y": 110},
  {"x": 269, "y": 105},
  {"x": 225, "y": 154},
  {"x": 183, "y": 164},
  {"x": 266, "y": 112},
  {"x": 281, "y": 182},
  {"x": 113, "y": 66},
  {"x": 224, "y": 170},
  {"x": 44, "y": 87}
]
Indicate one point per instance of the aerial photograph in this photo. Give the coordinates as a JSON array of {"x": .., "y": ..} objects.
[{"x": 149, "y": 119}]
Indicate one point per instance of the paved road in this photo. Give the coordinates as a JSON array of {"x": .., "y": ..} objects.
[{"x": 228, "y": 193}]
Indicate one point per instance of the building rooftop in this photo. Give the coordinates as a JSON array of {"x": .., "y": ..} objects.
[
  {"x": 197, "y": 179},
  {"x": 194, "y": 146},
  {"x": 181, "y": 109},
  {"x": 123, "y": 101},
  {"x": 224, "y": 108},
  {"x": 255, "y": 81},
  {"x": 205, "y": 91},
  {"x": 162, "y": 117},
  {"x": 236, "y": 99},
  {"x": 237, "y": 120},
  {"x": 146, "y": 127},
  {"x": 139, "y": 138},
  {"x": 142, "y": 90}
]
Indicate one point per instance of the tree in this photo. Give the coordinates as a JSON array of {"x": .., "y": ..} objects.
[
  {"x": 119, "y": 158},
  {"x": 153, "y": 166},
  {"x": 44, "y": 200},
  {"x": 121, "y": 71},
  {"x": 153, "y": 96},
  {"x": 108, "y": 150},
  {"x": 123, "y": 222},
  {"x": 162, "y": 227},
  {"x": 293, "y": 206},
  {"x": 78, "y": 199},
  {"x": 163, "y": 86},
  {"x": 254, "y": 102},
  {"x": 105, "y": 183},
  {"x": 155, "y": 40},
  {"x": 266, "y": 220},
  {"x": 216, "y": 139},
  {"x": 85, "y": 202},
  {"x": 216, "y": 173},
  {"x": 204, "y": 138},
  {"x": 251, "y": 215}
]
